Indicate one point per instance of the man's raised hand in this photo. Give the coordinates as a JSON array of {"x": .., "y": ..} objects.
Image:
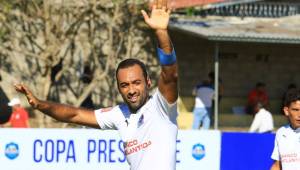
[
  {"x": 32, "y": 100},
  {"x": 159, "y": 17}
]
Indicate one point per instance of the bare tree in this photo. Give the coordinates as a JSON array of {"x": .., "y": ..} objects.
[{"x": 67, "y": 50}]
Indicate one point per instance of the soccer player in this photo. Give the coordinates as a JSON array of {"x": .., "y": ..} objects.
[
  {"x": 147, "y": 124},
  {"x": 286, "y": 151}
]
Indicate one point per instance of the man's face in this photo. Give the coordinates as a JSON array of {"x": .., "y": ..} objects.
[
  {"x": 293, "y": 113},
  {"x": 133, "y": 86}
]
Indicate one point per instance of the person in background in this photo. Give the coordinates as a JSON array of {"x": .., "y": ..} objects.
[
  {"x": 19, "y": 117},
  {"x": 257, "y": 95},
  {"x": 286, "y": 153},
  {"x": 263, "y": 120},
  {"x": 203, "y": 102}
]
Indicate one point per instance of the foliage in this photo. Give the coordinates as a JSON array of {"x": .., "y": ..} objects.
[{"x": 67, "y": 50}]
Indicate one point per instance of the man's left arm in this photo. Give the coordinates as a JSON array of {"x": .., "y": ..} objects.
[
  {"x": 158, "y": 21},
  {"x": 167, "y": 82}
]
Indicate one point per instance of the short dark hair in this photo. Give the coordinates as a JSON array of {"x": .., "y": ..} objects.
[
  {"x": 131, "y": 62},
  {"x": 291, "y": 96}
]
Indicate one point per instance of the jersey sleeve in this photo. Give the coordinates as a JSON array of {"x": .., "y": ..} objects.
[
  {"x": 275, "y": 155},
  {"x": 106, "y": 118},
  {"x": 168, "y": 110}
]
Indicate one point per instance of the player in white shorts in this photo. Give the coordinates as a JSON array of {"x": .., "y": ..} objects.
[
  {"x": 286, "y": 151},
  {"x": 146, "y": 124}
]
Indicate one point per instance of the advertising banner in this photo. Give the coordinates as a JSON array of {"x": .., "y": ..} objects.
[
  {"x": 79, "y": 149},
  {"x": 58, "y": 149},
  {"x": 246, "y": 151},
  {"x": 197, "y": 150}
]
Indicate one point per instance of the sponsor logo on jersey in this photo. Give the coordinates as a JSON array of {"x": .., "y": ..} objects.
[
  {"x": 290, "y": 158},
  {"x": 198, "y": 151},
  {"x": 134, "y": 146},
  {"x": 12, "y": 150}
]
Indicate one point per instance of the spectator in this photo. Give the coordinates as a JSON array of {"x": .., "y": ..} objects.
[
  {"x": 257, "y": 95},
  {"x": 203, "y": 101},
  {"x": 19, "y": 117},
  {"x": 263, "y": 120}
]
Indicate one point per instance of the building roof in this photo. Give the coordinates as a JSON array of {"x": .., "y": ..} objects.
[
  {"x": 266, "y": 30},
  {"x": 206, "y": 3}
]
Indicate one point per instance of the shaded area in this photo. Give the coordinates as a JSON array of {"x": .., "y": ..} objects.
[{"x": 5, "y": 110}]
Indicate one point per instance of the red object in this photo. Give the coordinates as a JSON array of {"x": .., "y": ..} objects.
[
  {"x": 190, "y": 3},
  {"x": 256, "y": 96},
  {"x": 19, "y": 118}
]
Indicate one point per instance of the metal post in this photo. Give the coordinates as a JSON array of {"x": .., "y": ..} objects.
[{"x": 216, "y": 97}]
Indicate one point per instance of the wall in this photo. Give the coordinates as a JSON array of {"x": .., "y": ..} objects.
[{"x": 242, "y": 65}]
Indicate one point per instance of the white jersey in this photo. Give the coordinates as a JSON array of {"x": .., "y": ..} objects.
[
  {"x": 263, "y": 122},
  {"x": 287, "y": 148},
  {"x": 149, "y": 135}
]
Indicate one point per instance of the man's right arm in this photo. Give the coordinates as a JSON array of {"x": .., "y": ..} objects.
[
  {"x": 276, "y": 166},
  {"x": 68, "y": 114},
  {"x": 61, "y": 112}
]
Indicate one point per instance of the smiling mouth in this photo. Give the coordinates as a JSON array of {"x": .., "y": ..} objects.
[{"x": 133, "y": 99}]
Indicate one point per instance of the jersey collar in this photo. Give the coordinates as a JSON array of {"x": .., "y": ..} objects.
[{"x": 297, "y": 130}]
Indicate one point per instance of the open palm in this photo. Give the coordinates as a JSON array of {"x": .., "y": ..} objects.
[{"x": 158, "y": 19}]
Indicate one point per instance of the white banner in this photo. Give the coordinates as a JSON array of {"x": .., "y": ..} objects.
[
  {"x": 198, "y": 150},
  {"x": 81, "y": 149}
]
